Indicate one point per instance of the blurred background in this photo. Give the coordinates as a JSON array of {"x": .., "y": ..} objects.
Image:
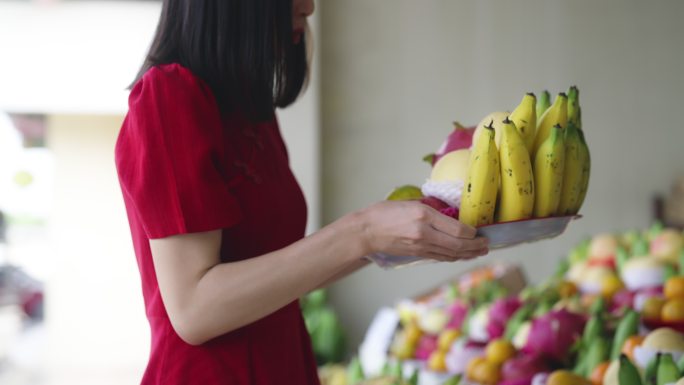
[{"x": 389, "y": 77}]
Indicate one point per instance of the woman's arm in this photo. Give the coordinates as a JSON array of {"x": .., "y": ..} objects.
[
  {"x": 206, "y": 298},
  {"x": 353, "y": 267}
]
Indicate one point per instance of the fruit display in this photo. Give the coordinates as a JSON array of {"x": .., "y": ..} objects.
[
  {"x": 533, "y": 162},
  {"x": 611, "y": 314}
]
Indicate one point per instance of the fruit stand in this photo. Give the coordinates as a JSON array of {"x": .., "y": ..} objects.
[{"x": 614, "y": 310}]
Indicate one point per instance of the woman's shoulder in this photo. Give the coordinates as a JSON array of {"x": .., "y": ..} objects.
[
  {"x": 171, "y": 72},
  {"x": 169, "y": 82}
]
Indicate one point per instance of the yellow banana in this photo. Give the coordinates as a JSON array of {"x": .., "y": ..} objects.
[
  {"x": 479, "y": 194},
  {"x": 585, "y": 158},
  {"x": 549, "y": 165},
  {"x": 517, "y": 180},
  {"x": 494, "y": 119},
  {"x": 525, "y": 119},
  {"x": 572, "y": 175},
  {"x": 556, "y": 114}
]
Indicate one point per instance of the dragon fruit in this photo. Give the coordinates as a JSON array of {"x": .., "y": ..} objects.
[
  {"x": 460, "y": 138},
  {"x": 553, "y": 334},
  {"x": 499, "y": 314},
  {"x": 426, "y": 345},
  {"x": 521, "y": 369},
  {"x": 458, "y": 311}
]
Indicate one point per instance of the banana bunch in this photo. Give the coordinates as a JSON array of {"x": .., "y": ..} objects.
[
  {"x": 533, "y": 162},
  {"x": 562, "y": 163}
]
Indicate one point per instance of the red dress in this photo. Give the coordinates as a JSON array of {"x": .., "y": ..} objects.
[{"x": 183, "y": 169}]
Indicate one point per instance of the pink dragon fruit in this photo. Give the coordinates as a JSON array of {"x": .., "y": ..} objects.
[
  {"x": 499, "y": 314},
  {"x": 460, "y": 138},
  {"x": 553, "y": 334}
]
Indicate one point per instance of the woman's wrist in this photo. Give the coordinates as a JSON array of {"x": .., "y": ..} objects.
[{"x": 354, "y": 229}]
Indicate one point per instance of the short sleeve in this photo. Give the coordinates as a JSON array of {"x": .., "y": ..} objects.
[{"x": 169, "y": 155}]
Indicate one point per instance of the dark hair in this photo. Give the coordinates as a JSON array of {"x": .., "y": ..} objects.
[{"x": 242, "y": 49}]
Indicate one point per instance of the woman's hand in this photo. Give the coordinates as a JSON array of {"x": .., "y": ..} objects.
[{"x": 412, "y": 228}]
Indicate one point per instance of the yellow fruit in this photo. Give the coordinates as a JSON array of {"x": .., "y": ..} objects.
[
  {"x": 401, "y": 348},
  {"x": 517, "y": 180},
  {"x": 653, "y": 307},
  {"x": 610, "y": 285},
  {"x": 565, "y": 377},
  {"x": 567, "y": 289},
  {"x": 525, "y": 118},
  {"x": 556, "y": 114},
  {"x": 495, "y": 118},
  {"x": 446, "y": 338},
  {"x": 674, "y": 288},
  {"x": 499, "y": 351},
  {"x": 413, "y": 333},
  {"x": 437, "y": 361},
  {"x": 487, "y": 373},
  {"x": 405, "y": 192},
  {"x": 451, "y": 167},
  {"x": 673, "y": 310},
  {"x": 482, "y": 184},
  {"x": 473, "y": 365}
]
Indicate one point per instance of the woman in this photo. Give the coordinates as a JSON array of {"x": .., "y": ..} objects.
[{"x": 216, "y": 216}]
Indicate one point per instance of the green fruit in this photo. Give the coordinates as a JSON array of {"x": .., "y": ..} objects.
[
  {"x": 628, "y": 326},
  {"x": 405, "y": 193},
  {"x": 355, "y": 371},
  {"x": 667, "y": 371},
  {"x": 628, "y": 373}
]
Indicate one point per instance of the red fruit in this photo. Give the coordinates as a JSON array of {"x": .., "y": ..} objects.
[
  {"x": 605, "y": 262},
  {"x": 460, "y": 138},
  {"x": 450, "y": 212},
  {"x": 433, "y": 202}
]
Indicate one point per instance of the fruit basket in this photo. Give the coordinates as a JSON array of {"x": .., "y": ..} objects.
[{"x": 500, "y": 235}]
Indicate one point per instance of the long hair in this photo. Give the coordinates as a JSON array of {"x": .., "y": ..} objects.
[{"x": 242, "y": 49}]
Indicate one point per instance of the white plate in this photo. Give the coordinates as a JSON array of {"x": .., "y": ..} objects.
[
  {"x": 509, "y": 234},
  {"x": 500, "y": 235}
]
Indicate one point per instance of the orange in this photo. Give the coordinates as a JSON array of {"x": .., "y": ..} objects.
[
  {"x": 499, "y": 351},
  {"x": 674, "y": 287},
  {"x": 597, "y": 374},
  {"x": 473, "y": 365},
  {"x": 567, "y": 289},
  {"x": 653, "y": 307},
  {"x": 631, "y": 343},
  {"x": 673, "y": 310},
  {"x": 487, "y": 373}
]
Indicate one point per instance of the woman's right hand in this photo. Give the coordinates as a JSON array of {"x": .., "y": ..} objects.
[{"x": 412, "y": 228}]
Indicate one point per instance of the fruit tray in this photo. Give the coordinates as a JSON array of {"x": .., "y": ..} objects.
[{"x": 500, "y": 235}]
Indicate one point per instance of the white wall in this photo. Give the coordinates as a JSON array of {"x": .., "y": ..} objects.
[{"x": 397, "y": 72}]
